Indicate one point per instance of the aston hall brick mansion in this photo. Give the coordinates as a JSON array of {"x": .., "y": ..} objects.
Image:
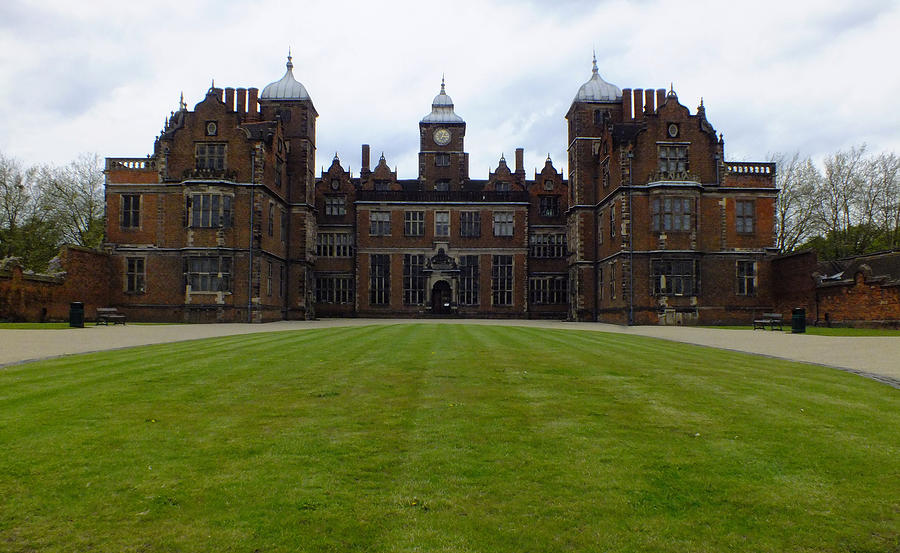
[{"x": 227, "y": 220}]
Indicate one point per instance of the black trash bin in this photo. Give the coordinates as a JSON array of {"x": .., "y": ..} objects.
[
  {"x": 798, "y": 320},
  {"x": 76, "y": 314}
]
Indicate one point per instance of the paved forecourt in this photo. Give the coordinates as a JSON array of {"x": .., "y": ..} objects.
[{"x": 874, "y": 356}]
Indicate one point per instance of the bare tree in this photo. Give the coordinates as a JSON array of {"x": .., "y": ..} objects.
[
  {"x": 24, "y": 229},
  {"x": 73, "y": 197},
  {"x": 795, "y": 208},
  {"x": 884, "y": 173},
  {"x": 14, "y": 195},
  {"x": 842, "y": 180}
]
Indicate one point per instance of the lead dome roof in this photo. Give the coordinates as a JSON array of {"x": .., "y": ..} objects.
[
  {"x": 287, "y": 88},
  {"x": 598, "y": 90},
  {"x": 442, "y": 109}
]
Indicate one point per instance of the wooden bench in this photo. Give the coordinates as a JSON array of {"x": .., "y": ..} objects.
[
  {"x": 769, "y": 319},
  {"x": 106, "y": 315}
]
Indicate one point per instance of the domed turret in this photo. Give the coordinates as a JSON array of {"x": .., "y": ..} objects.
[
  {"x": 288, "y": 88},
  {"x": 442, "y": 109},
  {"x": 598, "y": 90}
]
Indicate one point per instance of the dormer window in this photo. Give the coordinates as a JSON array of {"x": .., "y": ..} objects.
[
  {"x": 443, "y": 185},
  {"x": 210, "y": 156},
  {"x": 335, "y": 206},
  {"x": 502, "y": 186},
  {"x": 549, "y": 206},
  {"x": 382, "y": 185},
  {"x": 673, "y": 159}
]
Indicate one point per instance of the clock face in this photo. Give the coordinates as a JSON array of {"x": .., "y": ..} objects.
[
  {"x": 442, "y": 137},
  {"x": 673, "y": 130}
]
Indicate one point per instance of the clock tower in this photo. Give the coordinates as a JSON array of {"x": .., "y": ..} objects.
[{"x": 443, "y": 165}]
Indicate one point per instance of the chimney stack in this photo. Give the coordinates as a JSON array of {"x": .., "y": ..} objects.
[
  {"x": 365, "y": 160},
  {"x": 638, "y": 103},
  {"x": 650, "y": 100},
  {"x": 660, "y": 97},
  {"x": 626, "y": 104},
  {"x": 241, "y": 100},
  {"x": 229, "y": 98},
  {"x": 252, "y": 104},
  {"x": 520, "y": 160}
]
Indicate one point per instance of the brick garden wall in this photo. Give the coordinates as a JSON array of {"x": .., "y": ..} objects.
[
  {"x": 863, "y": 302},
  {"x": 31, "y": 297}
]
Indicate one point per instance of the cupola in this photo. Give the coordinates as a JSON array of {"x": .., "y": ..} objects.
[
  {"x": 598, "y": 90},
  {"x": 287, "y": 88},
  {"x": 442, "y": 109}
]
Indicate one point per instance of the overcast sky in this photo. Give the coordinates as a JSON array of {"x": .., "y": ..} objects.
[{"x": 100, "y": 76}]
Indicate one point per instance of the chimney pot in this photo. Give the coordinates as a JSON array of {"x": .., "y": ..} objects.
[
  {"x": 229, "y": 98},
  {"x": 650, "y": 104},
  {"x": 626, "y": 104},
  {"x": 253, "y": 102},
  {"x": 365, "y": 159}
]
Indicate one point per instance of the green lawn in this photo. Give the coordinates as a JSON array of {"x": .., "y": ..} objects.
[
  {"x": 825, "y": 331},
  {"x": 33, "y": 326},
  {"x": 445, "y": 438},
  {"x": 58, "y": 326}
]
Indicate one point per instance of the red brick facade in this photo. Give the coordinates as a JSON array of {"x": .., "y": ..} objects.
[
  {"x": 662, "y": 229},
  {"x": 227, "y": 222}
]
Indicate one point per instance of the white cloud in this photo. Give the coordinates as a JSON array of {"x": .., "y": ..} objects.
[{"x": 775, "y": 76}]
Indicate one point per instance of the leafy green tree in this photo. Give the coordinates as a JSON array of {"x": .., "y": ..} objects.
[{"x": 849, "y": 242}]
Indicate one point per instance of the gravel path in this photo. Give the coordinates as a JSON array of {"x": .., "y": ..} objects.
[{"x": 876, "y": 357}]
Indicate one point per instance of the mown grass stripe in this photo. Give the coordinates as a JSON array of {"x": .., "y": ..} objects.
[{"x": 444, "y": 437}]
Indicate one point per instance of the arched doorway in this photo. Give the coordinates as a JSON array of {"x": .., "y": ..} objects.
[{"x": 441, "y": 297}]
